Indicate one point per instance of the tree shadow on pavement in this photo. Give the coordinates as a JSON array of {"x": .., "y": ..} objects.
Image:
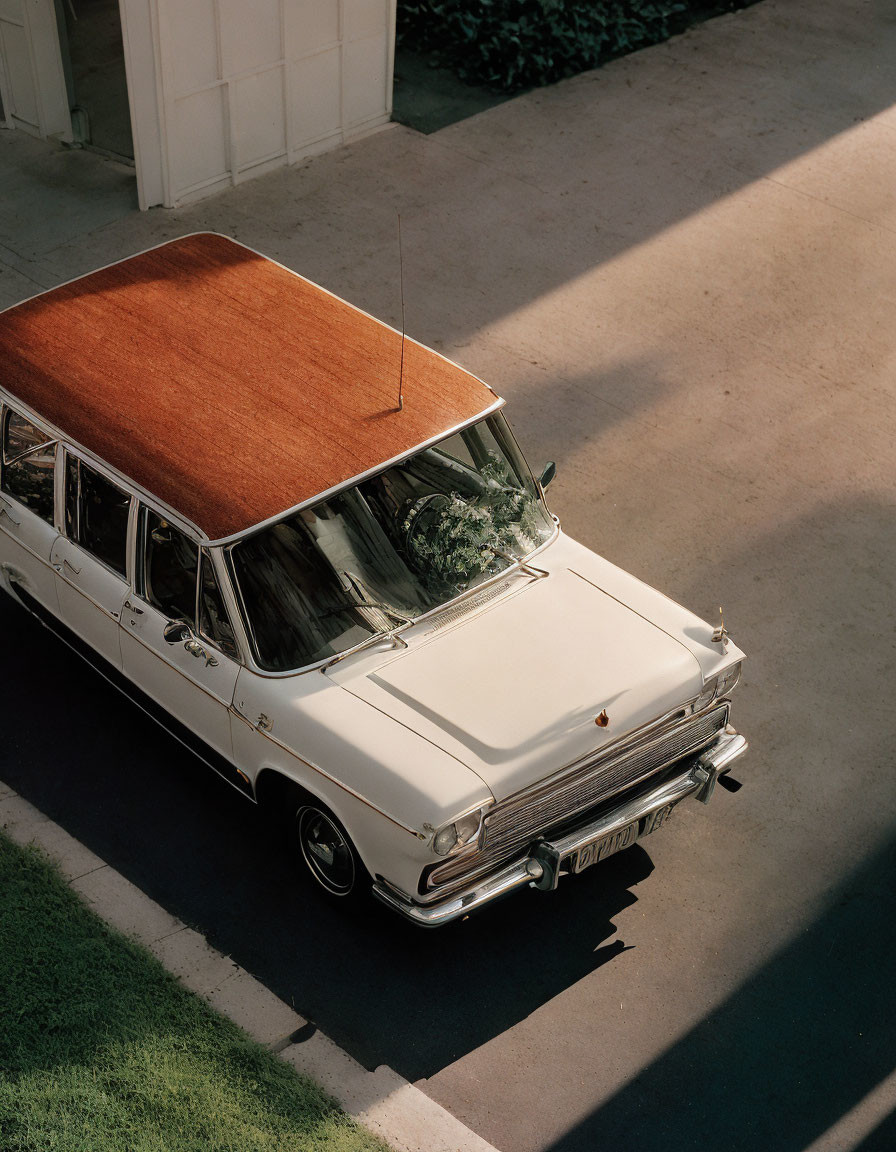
[
  {"x": 794, "y": 1049},
  {"x": 810, "y": 1034}
]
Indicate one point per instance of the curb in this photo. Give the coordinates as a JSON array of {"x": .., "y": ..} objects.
[{"x": 382, "y": 1101}]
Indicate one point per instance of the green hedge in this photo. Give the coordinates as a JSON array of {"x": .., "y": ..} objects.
[{"x": 513, "y": 44}]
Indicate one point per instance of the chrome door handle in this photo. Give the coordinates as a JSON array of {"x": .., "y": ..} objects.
[
  {"x": 72, "y": 568},
  {"x": 133, "y": 608},
  {"x": 196, "y": 649}
]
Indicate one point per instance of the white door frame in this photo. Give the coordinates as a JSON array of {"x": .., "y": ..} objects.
[{"x": 140, "y": 37}]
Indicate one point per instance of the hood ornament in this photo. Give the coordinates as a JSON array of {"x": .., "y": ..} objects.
[
  {"x": 720, "y": 636},
  {"x": 603, "y": 720}
]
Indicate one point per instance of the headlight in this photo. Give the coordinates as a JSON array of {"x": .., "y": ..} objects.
[
  {"x": 707, "y": 696},
  {"x": 455, "y": 835},
  {"x": 718, "y": 686},
  {"x": 728, "y": 680}
]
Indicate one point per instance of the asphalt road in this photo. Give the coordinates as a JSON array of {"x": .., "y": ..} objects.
[{"x": 680, "y": 272}]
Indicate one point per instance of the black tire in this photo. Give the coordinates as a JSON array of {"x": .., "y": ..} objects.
[{"x": 327, "y": 854}]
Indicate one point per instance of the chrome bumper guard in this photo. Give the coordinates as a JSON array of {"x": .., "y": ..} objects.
[{"x": 541, "y": 867}]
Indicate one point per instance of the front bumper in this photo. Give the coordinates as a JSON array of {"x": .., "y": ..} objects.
[{"x": 541, "y": 866}]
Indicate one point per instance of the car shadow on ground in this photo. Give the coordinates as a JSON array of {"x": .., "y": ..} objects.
[
  {"x": 388, "y": 991},
  {"x": 805, "y": 1039}
]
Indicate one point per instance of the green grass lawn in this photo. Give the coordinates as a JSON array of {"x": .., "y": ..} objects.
[{"x": 101, "y": 1049}]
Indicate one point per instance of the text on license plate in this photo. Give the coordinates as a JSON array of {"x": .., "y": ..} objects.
[{"x": 616, "y": 841}]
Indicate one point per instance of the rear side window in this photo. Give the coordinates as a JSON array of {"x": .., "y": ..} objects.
[
  {"x": 27, "y": 464},
  {"x": 96, "y": 514}
]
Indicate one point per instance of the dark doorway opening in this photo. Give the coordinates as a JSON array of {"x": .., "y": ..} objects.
[{"x": 93, "y": 57}]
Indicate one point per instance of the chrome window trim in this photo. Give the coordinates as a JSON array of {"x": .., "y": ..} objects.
[
  {"x": 8, "y": 461},
  {"x": 125, "y": 577},
  {"x": 186, "y": 525},
  {"x": 139, "y": 574},
  {"x": 352, "y": 482},
  {"x": 76, "y": 518},
  {"x": 497, "y": 403},
  {"x": 113, "y": 474},
  {"x": 196, "y": 586},
  {"x": 137, "y": 584},
  {"x": 236, "y": 619},
  {"x": 205, "y": 555},
  {"x": 5, "y": 410}
]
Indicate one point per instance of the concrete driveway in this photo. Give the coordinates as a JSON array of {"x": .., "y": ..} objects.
[{"x": 681, "y": 272}]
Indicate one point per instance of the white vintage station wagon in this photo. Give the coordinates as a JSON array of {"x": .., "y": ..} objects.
[{"x": 359, "y": 611}]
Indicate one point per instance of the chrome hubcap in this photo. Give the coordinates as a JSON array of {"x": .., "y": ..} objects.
[{"x": 326, "y": 851}]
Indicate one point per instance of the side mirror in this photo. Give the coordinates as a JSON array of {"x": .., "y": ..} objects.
[
  {"x": 176, "y": 631},
  {"x": 547, "y": 473}
]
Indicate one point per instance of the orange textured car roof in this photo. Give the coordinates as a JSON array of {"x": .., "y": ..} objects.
[{"x": 225, "y": 385}]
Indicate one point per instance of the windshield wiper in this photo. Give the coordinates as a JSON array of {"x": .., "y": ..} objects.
[
  {"x": 529, "y": 569},
  {"x": 362, "y": 602}
]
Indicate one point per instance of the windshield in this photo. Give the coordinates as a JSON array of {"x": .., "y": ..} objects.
[{"x": 390, "y": 549}]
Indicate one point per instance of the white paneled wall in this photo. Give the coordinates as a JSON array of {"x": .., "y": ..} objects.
[
  {"x": 247, "y": 85},
  {"x": 32, "y": 83}
]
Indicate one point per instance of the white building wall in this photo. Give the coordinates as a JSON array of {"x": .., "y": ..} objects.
[
  {"x": 32, "y": 83},
  {"x": 219, "y": 90},
  {"x": 244, "y": 86}
]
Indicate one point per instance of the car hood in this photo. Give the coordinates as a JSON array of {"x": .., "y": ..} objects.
[{"x": 514, "y": 689}]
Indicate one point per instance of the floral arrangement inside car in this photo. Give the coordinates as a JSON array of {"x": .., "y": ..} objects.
[{"x": 361, "y": 614}]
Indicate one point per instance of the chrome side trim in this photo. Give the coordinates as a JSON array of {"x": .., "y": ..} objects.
[
  {"x": 21, "y": 543},
  {"x": 326, "y": 775},
  {"x": 540, "y": 866},
  {"x": 86, "y": 595}
]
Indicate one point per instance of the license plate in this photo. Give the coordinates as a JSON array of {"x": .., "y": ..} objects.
[{"x": 614, "y": 842}]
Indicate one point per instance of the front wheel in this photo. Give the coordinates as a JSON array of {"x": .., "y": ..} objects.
[{"x": 328, "y": 853}]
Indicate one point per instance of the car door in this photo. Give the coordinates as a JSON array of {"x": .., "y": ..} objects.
[
  {"x": 90, "y": 560},
  {"x": 27, "y": 521},
  {"x": 177, "y": 642}
]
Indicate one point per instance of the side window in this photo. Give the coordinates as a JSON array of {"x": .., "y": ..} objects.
[
  {"x": 96, "y": 514},
  {"x": 27, "y": 464},
  {"x": 214, "y": 622},
  {"x": 170, "y": 560}
]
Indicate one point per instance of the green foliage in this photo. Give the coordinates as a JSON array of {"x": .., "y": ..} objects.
[
  {"x": 452, "y": 540},
  {"x": 101, "y": 1050},
  {"x": 512, "y": 44}
]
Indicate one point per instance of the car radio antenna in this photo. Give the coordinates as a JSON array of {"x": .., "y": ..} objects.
[{"x": 401, "y": 289}]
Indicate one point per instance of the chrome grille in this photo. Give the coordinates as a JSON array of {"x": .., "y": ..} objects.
[{"x": 517, "y": 819}]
